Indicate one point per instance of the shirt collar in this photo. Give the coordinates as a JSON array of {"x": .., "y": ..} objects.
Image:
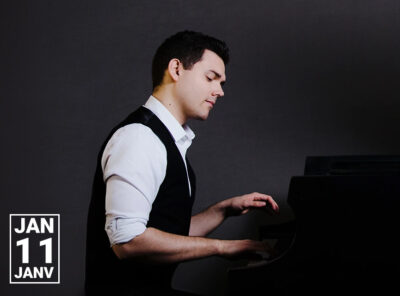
[{"x": 178, "y": 132}]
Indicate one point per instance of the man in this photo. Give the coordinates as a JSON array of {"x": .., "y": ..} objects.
[{"x": 147, "y": 184}]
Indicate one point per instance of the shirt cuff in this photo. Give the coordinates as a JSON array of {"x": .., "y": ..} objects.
[{"x": 122, "y": 230}]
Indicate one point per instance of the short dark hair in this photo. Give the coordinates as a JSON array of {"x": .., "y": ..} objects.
[{"x": 188, "y": 47}]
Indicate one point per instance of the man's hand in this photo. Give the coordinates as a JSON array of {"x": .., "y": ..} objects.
[
  {"x": 244, "y": 249},
  {"x": 206, "y": 221},
  {"x": 240, "y": 205}
]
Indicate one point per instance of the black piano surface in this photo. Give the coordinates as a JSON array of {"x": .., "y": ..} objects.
[{"x": 343, "y": 238}]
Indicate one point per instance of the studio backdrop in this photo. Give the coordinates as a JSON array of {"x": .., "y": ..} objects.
[{"x": 305, "y": 78}]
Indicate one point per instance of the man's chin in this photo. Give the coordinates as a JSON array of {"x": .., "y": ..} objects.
[{"x": 201, "y": 117}]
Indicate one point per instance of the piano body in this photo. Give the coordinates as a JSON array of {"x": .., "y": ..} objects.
[{"x": 344, "y": 237}]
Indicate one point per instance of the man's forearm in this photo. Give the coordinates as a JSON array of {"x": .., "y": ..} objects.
[
  {"x": 205, "y": 222},
  {"x": 158, "y": 247},
  {"x": 155, "y": 246}
]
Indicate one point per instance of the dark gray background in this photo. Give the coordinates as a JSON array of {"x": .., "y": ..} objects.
[{"x": 305, "y": 78}]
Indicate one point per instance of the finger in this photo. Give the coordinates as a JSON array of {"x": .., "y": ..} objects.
[
  {"x": 274, "y": 206},
  {"x": 245, "y": 211},
  {"x": 258, "y": 204},
  {"x": 263, "y": 204},
  {"x": 256, "y": 196},
  {"x": 260, "y": 196},
  {"x": 266, "y": 202},
  {"x": 271, "y": 209}
]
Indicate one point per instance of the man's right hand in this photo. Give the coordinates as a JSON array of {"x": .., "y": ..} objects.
[{"x": 244, "y": 249}]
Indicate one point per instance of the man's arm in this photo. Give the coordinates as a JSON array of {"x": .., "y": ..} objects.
[
  {"x": 206, "y": 221},
  {"x": 157, "y": 247}
]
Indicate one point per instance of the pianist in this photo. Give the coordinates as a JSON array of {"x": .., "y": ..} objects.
[{"x": 148, "y": 186}]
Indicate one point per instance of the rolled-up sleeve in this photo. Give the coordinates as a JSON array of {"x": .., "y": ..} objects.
[{"x": 134, "y": 165}]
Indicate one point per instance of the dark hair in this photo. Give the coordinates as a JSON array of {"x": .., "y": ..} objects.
[{"x": 188, "y": 47}]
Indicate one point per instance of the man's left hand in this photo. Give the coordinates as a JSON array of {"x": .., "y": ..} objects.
[{"x": 240, "y": 205}]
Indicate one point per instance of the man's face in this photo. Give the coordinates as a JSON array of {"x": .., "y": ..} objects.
[{"x": 198, "y": 88}]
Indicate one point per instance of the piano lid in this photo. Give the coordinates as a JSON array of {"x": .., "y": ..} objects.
[{"x": 353, "y": 165}]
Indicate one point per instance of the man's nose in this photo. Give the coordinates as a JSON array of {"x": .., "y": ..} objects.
[{"x": 218, "y": 92}]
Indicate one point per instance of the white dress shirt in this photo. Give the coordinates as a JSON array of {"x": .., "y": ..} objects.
[{"x": 134, "y": 164}]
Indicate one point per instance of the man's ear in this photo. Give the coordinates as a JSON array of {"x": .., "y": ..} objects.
[{"x": 174, "y": 69}]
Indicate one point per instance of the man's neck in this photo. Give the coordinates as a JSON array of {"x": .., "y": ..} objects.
[{"x": 168, "y": 100}]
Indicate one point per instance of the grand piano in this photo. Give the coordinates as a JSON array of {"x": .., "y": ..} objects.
[{"x": 344, "y": 237}]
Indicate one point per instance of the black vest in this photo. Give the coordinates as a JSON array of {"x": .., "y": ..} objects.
[{"x": 171, "y": 212}]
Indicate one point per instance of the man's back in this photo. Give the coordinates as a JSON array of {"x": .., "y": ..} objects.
[{"x": 171, "y": 212}]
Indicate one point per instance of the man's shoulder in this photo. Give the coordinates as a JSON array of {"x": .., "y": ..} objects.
[
  {"x": 133, "y": 129},
  {"x": 134, "y": 143},
  {"x": 136, "y": 134}
]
